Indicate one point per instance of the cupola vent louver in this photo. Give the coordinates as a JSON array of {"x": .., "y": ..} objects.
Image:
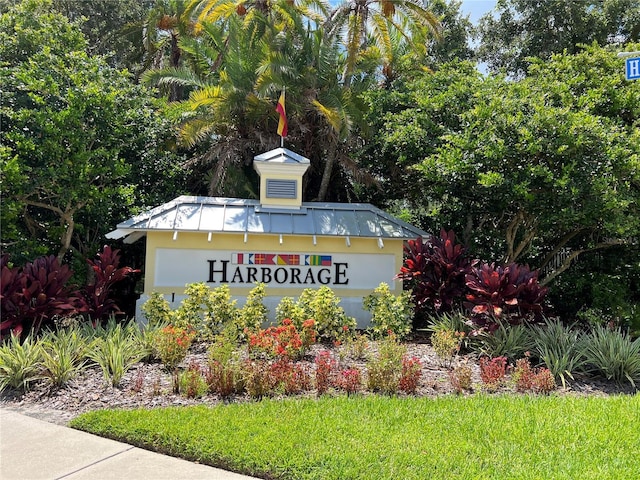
[{"x": 277, "y": 188}]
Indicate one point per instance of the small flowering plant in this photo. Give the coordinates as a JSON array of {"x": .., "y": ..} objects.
[
  {"x": 461, "y": 378},
  {"x": 527, "y": 378},
  {"x": 410, "y": 375},
  {"x": 283, "y": 340},
  {"x": 172, "y": 344},
  {"x": 446, "y": 344},
  {"x": 343, "y": 335}
]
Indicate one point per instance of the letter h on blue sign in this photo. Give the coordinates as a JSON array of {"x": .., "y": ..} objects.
[{"x": 633, "y": 68}]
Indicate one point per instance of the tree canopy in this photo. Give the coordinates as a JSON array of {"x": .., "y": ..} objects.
[
  {"x": 71, "y": 127},
  {"x": 526, "y": 28},
  {"x": 537, "y": 160},
  {"x": 522, "y": 169}
]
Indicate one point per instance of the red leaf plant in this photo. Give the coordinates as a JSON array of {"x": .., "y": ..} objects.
[
  {"x": 35, "y": 295},
  {"x": 509, "y": 293},
  {"x": 100, "y": 303},
  {"x": 436, "y": 271}
]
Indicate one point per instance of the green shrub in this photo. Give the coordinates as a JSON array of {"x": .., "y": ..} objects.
[
  {"x": 157, "y": 310},
  {"x": 511, "y": 341},
  {"x": 224, "y": 311},
  {"x": 389, "y": 313},
  {"x": 559, "y": 347},
  {"x": 196, "y": 311},
  {"x": 192, "y": 382},
  {"x": 253, "y": 314},
  {"x": 205, "y": 310},
  {"x": 63, "y": 355},
  {"x": 19, "y": 363},
  {"x": 613, "y": 355},
  {"x": 385, "y": 370},
  {"x": 116, "y": 351},
  {"x": 288, "y": 308},
  {"x": 322, "y": 306}
]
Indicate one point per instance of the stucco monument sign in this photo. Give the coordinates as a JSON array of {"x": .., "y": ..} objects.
[{"x": 280, "y": 241}]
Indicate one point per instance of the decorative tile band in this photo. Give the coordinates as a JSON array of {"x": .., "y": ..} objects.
[{"x": 280, "y": 259}]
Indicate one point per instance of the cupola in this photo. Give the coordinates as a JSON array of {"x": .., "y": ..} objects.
[{"x": 281, "y": 172}]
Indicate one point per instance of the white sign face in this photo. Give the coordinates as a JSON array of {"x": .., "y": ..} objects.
[{"x": 179, "y": 267}]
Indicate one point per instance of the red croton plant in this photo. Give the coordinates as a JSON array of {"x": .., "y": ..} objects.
[
  {"x": 35, "y": 294},
  {"x": 107, "y": 273}
]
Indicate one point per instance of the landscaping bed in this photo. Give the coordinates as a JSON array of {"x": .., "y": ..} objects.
[{"x": 149, "y": 385}]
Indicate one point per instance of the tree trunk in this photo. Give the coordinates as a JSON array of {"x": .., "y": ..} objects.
[
  {"x": 326, "y": 174},
  {"x": 65, "y": 239}
]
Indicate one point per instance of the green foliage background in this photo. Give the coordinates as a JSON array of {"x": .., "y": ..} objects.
[{"x": 536, "y": 163}]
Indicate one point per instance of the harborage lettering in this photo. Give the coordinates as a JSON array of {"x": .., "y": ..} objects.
[{"x": 322, "y": 272}]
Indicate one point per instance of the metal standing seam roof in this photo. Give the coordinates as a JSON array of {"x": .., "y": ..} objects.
[{"x": 232, "y": 215}]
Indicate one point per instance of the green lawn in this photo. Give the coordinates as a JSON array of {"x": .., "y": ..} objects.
[{"x": 478, "y": 437}]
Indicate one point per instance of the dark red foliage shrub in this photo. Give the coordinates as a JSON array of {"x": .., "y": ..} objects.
[
  {"x": 435, "y": 270},
  {"x": 325, "y": 370},
  {"x": 222, "y": 379},
  {"x": 13, "y": 307},
  {"x": 290, "y": 378},
  {"x": 510, "y": 292},
  {"x": 349, "y": 380},
  {"x": 100, "y": 304},
  {"x": 32, "y": 296},
  {"x": 410, "y": 376},
  {"x": 492, "y": 371}
]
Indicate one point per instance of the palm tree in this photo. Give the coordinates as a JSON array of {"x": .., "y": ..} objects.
[
  {"x": 231, "y": 108},
  {"x": 166, "y": 24},
  {"x": 222, "y": 112},
  {"x": 324, "y": 111},
  {"x": 371, "y": 22}
]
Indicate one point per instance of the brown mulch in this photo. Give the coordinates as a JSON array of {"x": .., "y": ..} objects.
[{"x": 91, "y": 392}]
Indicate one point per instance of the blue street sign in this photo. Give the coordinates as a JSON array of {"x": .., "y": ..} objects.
[{"x": 632, "y": 68}]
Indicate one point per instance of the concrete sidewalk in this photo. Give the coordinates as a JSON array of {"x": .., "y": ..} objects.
[{"x": 32, "y": 449}]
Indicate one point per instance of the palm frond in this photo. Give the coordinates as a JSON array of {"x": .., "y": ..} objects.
[
  {"x": 382, "y": 36},
  {"x": 206, "y": 96},
  {"x": 173, "y": 76},
  {"x": 423, "y": 16},
  {"x": 195, "y": 131},
  {"x": 331, "y": 115}
]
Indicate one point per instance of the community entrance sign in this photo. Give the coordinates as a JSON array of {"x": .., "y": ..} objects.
[
  {"x": 287, "y": 244},
  {"x": 340, "y": 271}
]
